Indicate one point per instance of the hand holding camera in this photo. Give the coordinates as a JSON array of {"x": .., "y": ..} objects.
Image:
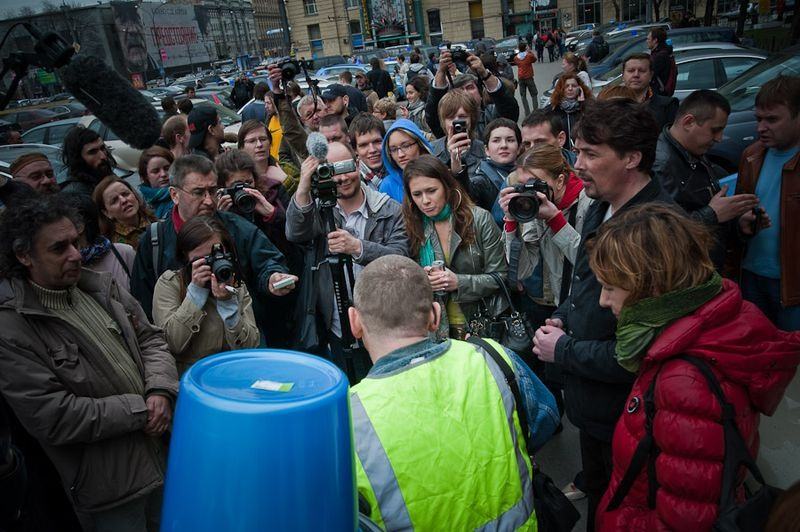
[
  {"x": 220, "y": 289},
  {"x": 525, "y": 202},
  {"x": 476, "y": 65},
  {"x": 458, "y": 142},
  {"x": 274, "y": 72}
]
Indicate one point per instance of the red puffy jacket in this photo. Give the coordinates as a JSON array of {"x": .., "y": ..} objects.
[{"x": 754, "y": 363}]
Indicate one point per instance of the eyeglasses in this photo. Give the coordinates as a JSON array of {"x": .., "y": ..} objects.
[
  {"x": 262, "y": 140},
  {"x": 200, "y": 193},
  {"x": 394, "y": 150}
]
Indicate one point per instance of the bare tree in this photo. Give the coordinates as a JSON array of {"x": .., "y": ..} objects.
[
  {"x": 49, "y": 7},
  {"x": 616, "y": 10},
  {"x": 657, "y": 9},
  {"x": 26, "y": 11},
  {"x": 708, "y": 17}
]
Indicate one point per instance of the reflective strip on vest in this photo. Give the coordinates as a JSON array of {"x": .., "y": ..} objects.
[
  {"x": 517, "y": 515},
  {"x": 381, "y": 475},
  {"x": 378, "y": 469}
]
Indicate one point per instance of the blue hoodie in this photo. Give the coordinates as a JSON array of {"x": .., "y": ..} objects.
[{"x": 393, "y": 182}]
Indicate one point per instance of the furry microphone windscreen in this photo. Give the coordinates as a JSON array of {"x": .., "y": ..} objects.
[
  {"x": 317, "y": 145},
  {"x": 113, "y": 100}
]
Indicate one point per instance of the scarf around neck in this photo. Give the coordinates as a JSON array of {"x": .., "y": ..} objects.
[
  {"x": 426, "y": 254},
  {"x": 640, "y": 323},
  {"x": 570, "y": 106},
  {"x": 91, "y": 253}
]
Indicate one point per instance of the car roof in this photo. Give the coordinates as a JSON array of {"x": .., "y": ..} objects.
[{"x": 681, "y": 55}]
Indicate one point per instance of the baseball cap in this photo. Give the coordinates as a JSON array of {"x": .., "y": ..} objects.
[
  {"x": 198, "y": 122},
  {"x": 333, "y": 91}
]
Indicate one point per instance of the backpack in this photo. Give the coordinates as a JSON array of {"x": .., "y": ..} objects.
[{"x": 748, "y": 516}]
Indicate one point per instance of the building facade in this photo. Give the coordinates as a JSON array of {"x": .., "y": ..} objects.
[
  {"x": 341, "y": 27},
  {"x": 272, "y": 27}
]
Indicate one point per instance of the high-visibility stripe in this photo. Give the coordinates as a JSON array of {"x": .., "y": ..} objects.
[
  {"x": 517, "y": 515},
  {"x": 378, "y": 469},
  {"x": 384, "y": 483}
]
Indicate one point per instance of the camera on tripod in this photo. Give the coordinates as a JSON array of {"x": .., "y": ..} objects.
[
  {"x": 323, "y": 187},
  {"x": 291, "y": 68},
  {"x": 525, "y": 207},
  {"x": 221, "y": 263}
]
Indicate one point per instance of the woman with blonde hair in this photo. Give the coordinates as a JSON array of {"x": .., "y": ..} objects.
[
  {"x": 703, "y": 356},
  {"x": 567, "y": 101},
  {"x": 444, "y": 225}
]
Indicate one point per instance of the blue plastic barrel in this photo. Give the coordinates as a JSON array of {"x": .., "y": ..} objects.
[{"x": 262, "y": 440}]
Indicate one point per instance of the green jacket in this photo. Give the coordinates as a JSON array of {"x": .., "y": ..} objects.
[
  {"x": 472, "y": 265},
  {"x": 61, "y": 389}
]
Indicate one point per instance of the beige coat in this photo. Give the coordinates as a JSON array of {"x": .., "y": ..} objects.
[{"x": 194, "y": 333}]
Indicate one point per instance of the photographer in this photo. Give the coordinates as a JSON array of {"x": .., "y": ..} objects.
[
  {"x": 552, "y": 238},
  {"x": 443, "y": 224},
  {"x": 475, "y": 85},
  {"x": 460, "y": 149},
  {"x": 193, "y": 186},
  {"x": 198, "y": 312},
  {"x": 370, "y": 226},
  {"x": 296, "y": 125}
]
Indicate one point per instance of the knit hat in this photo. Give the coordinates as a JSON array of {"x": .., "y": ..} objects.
[{"x": 24, "y": 160}]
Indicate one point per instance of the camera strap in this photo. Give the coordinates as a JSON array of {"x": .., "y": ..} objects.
[{"x": 566, "y": 271}]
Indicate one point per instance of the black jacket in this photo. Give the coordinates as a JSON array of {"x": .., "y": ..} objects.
[
  {"x": 595, "y": 385},
  {"x": 664, "y": 108},
  {"x": 569, "y": 120},
  {"x": 662, "y": 65},
  {"x": 595, "y": 52},
  {"x": 503, "y": 105},
  {"x": 691, "y": 182},
  {"x": 381, "y": 82}
]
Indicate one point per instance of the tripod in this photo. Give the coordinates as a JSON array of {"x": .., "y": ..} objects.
[{"x": 341, "y": 266}]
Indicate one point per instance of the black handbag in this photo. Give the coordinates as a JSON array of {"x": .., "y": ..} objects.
[
  {"x": 750, "y": 516},
  {"x": 554, "y": 512},
  {"x": 512, "y": 330}
]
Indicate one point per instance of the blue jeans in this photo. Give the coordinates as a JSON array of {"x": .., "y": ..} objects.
[{"x": 765, "y": 293}]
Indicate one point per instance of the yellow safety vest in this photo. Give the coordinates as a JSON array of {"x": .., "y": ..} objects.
[{"x": 439, "y": 446}]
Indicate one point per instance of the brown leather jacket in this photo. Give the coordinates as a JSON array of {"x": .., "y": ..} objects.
[{"x": 749, "y": 170}]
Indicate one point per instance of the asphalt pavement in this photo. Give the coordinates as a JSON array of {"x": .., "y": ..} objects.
[{"x": 543, "y": 73}]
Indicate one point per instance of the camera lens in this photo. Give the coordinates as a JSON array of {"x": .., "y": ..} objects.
[
  {"x": 222, "y": 270},
  {"x": 524, "y": 207},
  {"x": 244, "y": 202},
  {"x": 325, "y": 171}
]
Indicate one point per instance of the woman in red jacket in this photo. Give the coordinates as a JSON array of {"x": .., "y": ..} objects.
[{"x": 657, "y": 278}]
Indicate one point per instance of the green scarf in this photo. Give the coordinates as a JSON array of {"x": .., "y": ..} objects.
[
  {"x": 640, "y": 323},
  {"x": 426, "y": 255}
]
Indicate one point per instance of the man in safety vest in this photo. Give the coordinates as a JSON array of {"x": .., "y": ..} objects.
[{"x": 437, "y": 433}]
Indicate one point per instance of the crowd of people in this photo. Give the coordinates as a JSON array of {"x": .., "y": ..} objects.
[{"x": 597, "y": 220}]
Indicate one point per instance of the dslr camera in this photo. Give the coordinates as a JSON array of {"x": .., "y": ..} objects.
[
  {"x": 221, "y": 263},
  {"x": 244, "y": 202},
  {"x": 291, "y": 68},
  {"x": 459, "y": 55},
  {"x": 525, "y": 207},
  {"x": 323, "y": 187}
]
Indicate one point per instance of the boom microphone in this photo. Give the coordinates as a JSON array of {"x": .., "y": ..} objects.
[
  {"x": 317, "y": 146},
  {"x": 113, "y": 100}
]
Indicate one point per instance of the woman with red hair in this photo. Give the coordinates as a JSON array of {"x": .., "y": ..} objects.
[{"x": 567, "y": 100}]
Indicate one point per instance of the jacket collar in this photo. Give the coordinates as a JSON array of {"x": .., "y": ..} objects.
[{"x": 19, "y": 294}]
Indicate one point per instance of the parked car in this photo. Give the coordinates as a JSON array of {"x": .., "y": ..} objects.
[
  {"x": 52, "y": 133},
  {"x": 508, "y": 47},
  {"x": 679, "y": 36},
  {"x": 328, "y": 60},
  {"x": 364, "y": 56},
  {"x": 741, "y": 94},
  {"x": 28, "y": 118},
  {"x": 334, "y": 70},
  {"x": 70, "y": 109}
]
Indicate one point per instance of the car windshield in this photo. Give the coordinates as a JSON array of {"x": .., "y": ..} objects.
[
  {"x": 227, "y": 116},
  {"x": 507, "y": 42},
  {"x": 741, "y": 92}
]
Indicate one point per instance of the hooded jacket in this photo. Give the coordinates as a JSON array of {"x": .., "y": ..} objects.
[
  {"x": 754, "y": 363},
  {"x": 393, "y": 182}
]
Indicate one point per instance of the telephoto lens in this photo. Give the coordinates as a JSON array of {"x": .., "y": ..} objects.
[
  {"x": 524, "y": 207},
  {"x": 244, "y": 202}
]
